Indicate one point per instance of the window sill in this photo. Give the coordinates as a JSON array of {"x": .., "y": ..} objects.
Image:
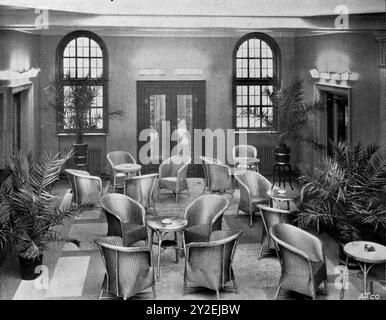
[{"x": 64, "y": 134}]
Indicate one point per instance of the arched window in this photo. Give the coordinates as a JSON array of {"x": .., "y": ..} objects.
[
  {"x": 82, "y": 58},
  {"x": 256, "y": 68}
]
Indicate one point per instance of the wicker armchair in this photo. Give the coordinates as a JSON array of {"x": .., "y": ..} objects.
[
  {"x": 253, "y": 191},
  {"x": 140, "y": 188},
  {"x": 205, "y": 161},
  {"x": 126, "y": 218},
  {"x": 172, "y": 174},
  {"x": 245, "y": 156},
  {"x": 303, "y": 264},
  {"x": 219, "y": 178},
  {"x": 86, "y": 189},
  {"x": 204, "y": 216},
  {"x": 128, "y": 270},
  {"x": 119, "y": 157},
  {"x": 209, "y": 264},
  {"x": 270, "y": 217}
]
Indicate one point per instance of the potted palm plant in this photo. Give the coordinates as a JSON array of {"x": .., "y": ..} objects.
[
  {"x": 72, "y": 103},
  {"x": 291, "y": 119},
  {"x": 33, "y": 209},
  {"x": 5, "y": 231},
  {"x": 346, "y": 196}
]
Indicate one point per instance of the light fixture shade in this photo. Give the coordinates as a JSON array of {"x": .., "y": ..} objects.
[
  {"x": 354, "y": 76},
  {"x": 14, "y": 75},
  {"x": 314, "y": 73},
  {"x": 345, "y": 76},
  {"x": 335, "y": 76},
  {"x": 325, "y": 75}
]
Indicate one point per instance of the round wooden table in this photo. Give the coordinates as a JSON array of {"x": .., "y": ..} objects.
[
  {"x": 177, "y": 226},
  {"x": 279, "y": 197},
  {"x": 367, "y": 254},
  {"x": 128, "y": 168}
]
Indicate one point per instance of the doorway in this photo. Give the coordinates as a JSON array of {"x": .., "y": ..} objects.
[
  {"x": 333, "y": 123},
  {"x": 17, "y": 122},
  {"x": 337, "y": 120},
  {"x": 168, "y": 108}
]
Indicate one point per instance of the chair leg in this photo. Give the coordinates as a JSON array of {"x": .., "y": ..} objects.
[
  {"x": 184, "y": 288},
  {"x": 176, "y": 196},
  {"x": 218, "y": 294},
  {"x": 114, "y": 182},
  {"x": 251, "y": 219},
  {"x": 325, "y": 287},
  {"x": 277, "y": 292},
  {"x": 101, "y": 294},
  {"x": 154, "y": 292},
  {"x": 235, "y": 286},
  {"x": 261, "y": 250}
]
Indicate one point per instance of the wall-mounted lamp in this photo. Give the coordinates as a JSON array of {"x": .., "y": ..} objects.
[
  {"x": 344, "y": 76},
  {"x": 325, "y": 75},
  {"x": 315, "y": 73},
  {"x": 11, "y": 75},
  {"x": 335, "y": 76}
]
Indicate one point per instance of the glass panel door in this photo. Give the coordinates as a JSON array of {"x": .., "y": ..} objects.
[
  {"x": 157, "y": 106},
  {"x": 184, "y": 122}
]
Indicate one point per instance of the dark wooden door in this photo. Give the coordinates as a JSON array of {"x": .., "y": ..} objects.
[
  {"x": 16, "y": 122},
  {"x": 337, "y": 120},
  {"x": 164, "y": 107}
]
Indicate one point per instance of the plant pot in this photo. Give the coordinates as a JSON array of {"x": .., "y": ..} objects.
[
  {"x": 80, "y": 156},
  {"x": 28, "y": 267},
  {"x": 282, "y": 153}
]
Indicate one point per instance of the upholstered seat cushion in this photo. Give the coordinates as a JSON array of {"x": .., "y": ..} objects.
[
  {"x": 197, "y": 233},
  {"x": 133, "y": 233}
]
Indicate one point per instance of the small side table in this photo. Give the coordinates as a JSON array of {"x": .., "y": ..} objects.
[
  {"x": 283, "y": 170},
  {"x": 247, "y": 162},
  {"x": 177, "y": 226},
  {"x": 289, "y": 195},
  {"x": 366, "y": 259},
  {"x": 128, "y": 168}
]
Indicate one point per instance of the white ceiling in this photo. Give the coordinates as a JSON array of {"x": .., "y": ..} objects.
[
  {"x": 261, "y": 8},
  {"x": 193, "y": 18}
]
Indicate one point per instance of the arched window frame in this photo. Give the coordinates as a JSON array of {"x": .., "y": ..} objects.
[
  {"x": 274, "y": 81},
  {"x": 102, "y": 81}
]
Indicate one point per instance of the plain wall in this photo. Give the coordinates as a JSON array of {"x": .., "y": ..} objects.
[
  {"x": 353, "y": 52},
  {"x": 19, "y": 52},
  {"x": 127, "y": 55}
]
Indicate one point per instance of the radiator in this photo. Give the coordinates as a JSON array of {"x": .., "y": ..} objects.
[
  {"x": 93, "y": 162},
  {"x": 267, "y": 160}
]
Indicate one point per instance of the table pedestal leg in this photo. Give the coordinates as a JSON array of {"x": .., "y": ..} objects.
[
  {"x": 159, "y": 235},
  {"x": 365, "y": 270},
  {"x": 344, "y": 279},
  {"x": 183, "y": 243},
  {"x": 176, "y": 248}
]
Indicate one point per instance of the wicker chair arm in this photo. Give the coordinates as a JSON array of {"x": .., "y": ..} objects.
[
  {"x": 291, "y": 248},
  {"x": 182, "y": 172},
  {"x": 219, "y": 215},
  {"x": 245, "y": 194}
]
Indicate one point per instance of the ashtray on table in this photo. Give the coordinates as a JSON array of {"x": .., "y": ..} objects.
[{"x": 166, "y": 221}]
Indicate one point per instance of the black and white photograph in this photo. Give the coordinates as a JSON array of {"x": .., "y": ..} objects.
[{"x": 211, "y": 151}]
